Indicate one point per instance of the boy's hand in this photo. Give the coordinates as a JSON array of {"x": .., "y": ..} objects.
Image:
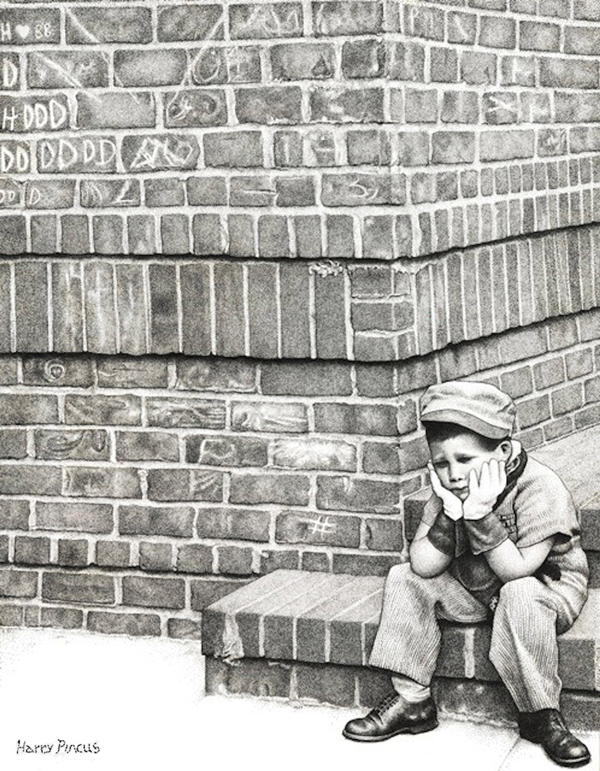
[
  {"x": 453, "y": 506},
  {"x": 484, "y": 491}
]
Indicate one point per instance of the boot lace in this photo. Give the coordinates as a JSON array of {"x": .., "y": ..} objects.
[{"x": 386, "y": 704}]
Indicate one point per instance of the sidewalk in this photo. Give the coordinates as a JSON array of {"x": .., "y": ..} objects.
[{"x": 141, "y": 701}]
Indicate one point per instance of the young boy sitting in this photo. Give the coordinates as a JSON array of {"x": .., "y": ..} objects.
[{"x": 500, "y": 538}]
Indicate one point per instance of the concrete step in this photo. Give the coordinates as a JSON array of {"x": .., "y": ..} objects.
[{"x": 332, "y": 618}]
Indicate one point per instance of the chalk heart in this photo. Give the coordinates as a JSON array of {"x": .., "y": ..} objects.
[{"x": 23, "y": 30}]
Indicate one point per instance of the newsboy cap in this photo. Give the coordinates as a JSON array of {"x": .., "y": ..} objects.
[{"x": 479, "y": 407}]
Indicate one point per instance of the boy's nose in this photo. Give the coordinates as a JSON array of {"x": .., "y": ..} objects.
[{"x": 455, "y": 472}]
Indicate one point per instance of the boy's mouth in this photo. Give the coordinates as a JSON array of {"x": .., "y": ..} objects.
[{"x": 461, "y": 492}]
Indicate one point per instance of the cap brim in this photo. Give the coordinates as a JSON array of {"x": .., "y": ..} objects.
[{"x": 467, "y": 421}]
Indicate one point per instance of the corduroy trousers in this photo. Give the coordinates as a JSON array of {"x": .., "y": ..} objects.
[{"x": 524, "y": 648}]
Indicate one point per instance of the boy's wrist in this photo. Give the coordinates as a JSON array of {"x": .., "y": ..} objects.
[
  {"x": 472, "y": 510},
  {"x": 485, "y": 533},
  {"x": 442, "y": 534}
]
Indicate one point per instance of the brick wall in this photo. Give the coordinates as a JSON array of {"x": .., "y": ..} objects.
[
  {"x": 379, "y": 128},
  {"x": 237, "y": 241},
  {"x": 134, "y": 491}
]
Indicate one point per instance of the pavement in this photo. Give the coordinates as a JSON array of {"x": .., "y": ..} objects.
[{"x": 141, "y": 702}]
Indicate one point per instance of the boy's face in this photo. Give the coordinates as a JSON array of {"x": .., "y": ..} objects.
[{"x": 455, "y": 457}]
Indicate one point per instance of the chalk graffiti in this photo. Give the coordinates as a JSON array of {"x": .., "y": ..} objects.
[
  {"x": 14, "y": 158},
  {"x": 9, "y": 73},
  {"x": 161, "y": 152},
  {"x": 74, "y": 154},
  {"x": 269, "y": 22},
  {"x": 28, "y": 115}
]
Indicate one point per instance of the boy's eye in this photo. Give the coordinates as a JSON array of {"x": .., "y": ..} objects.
[{"x": 464, "y": 459}]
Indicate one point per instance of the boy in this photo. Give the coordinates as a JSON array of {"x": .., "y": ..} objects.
[{"x": 499, "y": 536}]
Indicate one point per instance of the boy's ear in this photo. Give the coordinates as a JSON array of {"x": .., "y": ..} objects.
[{"x": 505, "y": 448}]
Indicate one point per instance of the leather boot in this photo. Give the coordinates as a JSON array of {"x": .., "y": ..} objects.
[
  {"x": 548, "y": 728},
  {"x": 392, "y": 717}
]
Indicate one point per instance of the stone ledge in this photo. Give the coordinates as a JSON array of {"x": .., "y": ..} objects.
[{"x": 323, "y": 618}]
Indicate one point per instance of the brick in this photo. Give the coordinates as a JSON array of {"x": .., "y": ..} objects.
[
  {"x": 294, "y": 293},
  {"x": 256, "y": 21},
  {"x": 347, "y": 18},
  {"x": 314, "y": 379},
  {"x": 506, "y": 145},
  {"x": 234, "y": 560},
  {"x": 12, "y": 230},
  {"x": 190, "y": 22},
  {"x": 233, "y": 523},
  {"x": 156, "y": 520},
  {"x": 460, "y": 107},
  {"x": 195, "y": 558},
  {"x": 156, "y": 556},
  {"x": 453, "y": 147},
  {"x": 306, "y": 61},
  {"x": 77, "y": 155},
  {"x": 184, "y": 629},
  {"x": 268, "y": 105},
  {"x": 72, "y": 553},
  {"x": 44, "y": 233},
  {"x": 84, "y": 588},
  {"x": 122, "y": 372},
  {"x": 581, "y": 40},
  {"x": 174, "y": 234},
  {"x": 586, "y": 9},
  {"x": 116, "y": 110},
  {"x": 379, "y": 420},
  {"x": 149, "y": 592},
  {"x": 62, "y": 618},
  {"x": 347, "y": 494},
  {"x": 79, "y": 517},
  {"x": 114, "y": 554},
  {"x": 556, "y": 73},
  {"x": 164, "y": 192},
  {"x": 131, "y": 624},
  {"x": 536, "y": 36},
  {"x": 384, "y": 535},
  {"x": 14, "y": 515},
  {"x": 363, "y": 59},
  {"x": 184, "y": 485},
  {"x": 226, "y": 451},
  {"x": 102, "y": 482},
  {"x": 549, "y": 373},
  {"x": 407, "y": 62},
  {"x": 462, "y": 27},
  {"x": 19, "y": 25},
  {"x": 231, "y": 64},
  {"x": 103, "y": 410},
  {"x": 287, "y": 489},
  {"x": 76, "y": 445},
  {"x": 567, "y": 399},
  {"x": 18, "y": 583},
  {"x": 269, "y": 416},
  {"x": 352, "y": 189},
  {"x": 21, "y": 409},
  {"x": 235, "y": 376},
  {"x": 164, "y": 325},
  {"x": 159, "y": 152},
  {"x": 93, "y": 25},
  {"x": 364, "y": 564},
  {"x": 315, "y": 454},
  {"x": 189, "y": 108},
  {"x": 444, "y": 65},
  {"x": 478, "y": 68},
  {"x": 273, "y": 236},
  {"x": 145, "y": 68},
  {"x": 157, "y": 446},
  {"x": 533, "y": 411},
  {"x": 67, "y": 69},
  {"x": 307, "y": 232},
  {"x": 380, "y": 458},
  {"x": 318, "y": 529},
  {"x": 497, "y": 32},
  {"x": 239, "y": 149},
  {"x": 346, "y": 105},
  {"x": 579, "y": 363},
  {"x": 110, "y": 193}
]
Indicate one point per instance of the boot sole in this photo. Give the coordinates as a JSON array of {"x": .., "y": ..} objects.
[
  {"x": 416, "y": 729},
  {"x": 574, "y": 763}
]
